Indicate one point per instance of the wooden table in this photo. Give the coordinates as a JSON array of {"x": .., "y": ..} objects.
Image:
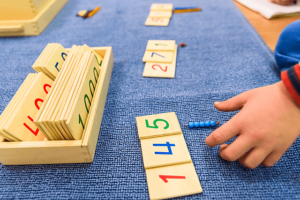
[{"x": 269, "y": 30}]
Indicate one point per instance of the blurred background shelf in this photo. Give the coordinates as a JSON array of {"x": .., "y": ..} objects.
[
  {"x": 269, "y": 30},
  {"x": 27, "y": 17}
]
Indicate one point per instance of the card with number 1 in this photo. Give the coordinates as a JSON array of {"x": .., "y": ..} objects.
[{"x": 158, "y": 56}]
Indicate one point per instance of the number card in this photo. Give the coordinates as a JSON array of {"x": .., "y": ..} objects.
[
  {"x": 158, "y": 56},
  {"x": 161, "y": 70},
  {"x": 173, "y": 181},
  {"x": 163, "y": 151},
  {"x": 160, "y": 45},
  {"x": 58, "y": 86},
  {"x": 51, "y": 60},
  {"x": 158, "y": 125},
  {"x": 78, "y": 116},
  {"x": 44, "y": 59},
  {"x": 56, "y": 60},
  {"x": 21, "y": 126},
  {"x": 157, "y": 21},
  {"x": 161, "y": 7},
  {"x": 161, "y": 14},
  {"x": 5, "y": 116}
]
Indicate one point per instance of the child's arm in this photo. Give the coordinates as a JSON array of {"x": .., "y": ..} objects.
[
  {"x": 282, "y": 2},
  {"x": 269, "y": 120}
]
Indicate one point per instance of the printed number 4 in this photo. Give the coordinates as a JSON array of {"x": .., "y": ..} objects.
[{"x": 155, "y": 125}]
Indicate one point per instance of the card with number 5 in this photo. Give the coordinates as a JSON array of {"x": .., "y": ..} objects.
[{"x": 158, "y": 125}]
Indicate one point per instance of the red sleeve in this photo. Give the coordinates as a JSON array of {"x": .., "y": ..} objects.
[{"x": 291, "y": 80}]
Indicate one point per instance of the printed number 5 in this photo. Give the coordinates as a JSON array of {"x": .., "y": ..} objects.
[{"x": 155, "y": 125}]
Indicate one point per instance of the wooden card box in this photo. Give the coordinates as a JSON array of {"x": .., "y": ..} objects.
[
  {"x": 31, "y": 17},
  {"x": 71, "y": 151}
]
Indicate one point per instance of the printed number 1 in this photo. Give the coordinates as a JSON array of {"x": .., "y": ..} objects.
[
  {"x": 161, "y": 44},
  {"x": 155, "y": 125},
  {"x": 80, "y": 121}
]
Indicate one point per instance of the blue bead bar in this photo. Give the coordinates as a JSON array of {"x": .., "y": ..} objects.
[{"x": 202, "y": 124}]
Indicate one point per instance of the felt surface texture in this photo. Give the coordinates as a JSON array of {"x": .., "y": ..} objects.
[{"x": 224, "y": 57}]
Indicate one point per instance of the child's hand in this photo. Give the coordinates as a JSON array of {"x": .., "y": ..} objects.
[
  {"x": 282, "y": 2},
  {"x": 267, "y": 125}
]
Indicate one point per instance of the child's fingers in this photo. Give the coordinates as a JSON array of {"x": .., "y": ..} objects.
[
  {"x": 224, "y": 133},
  {"x": 272, "y": 158},
  {"x": 236, "y": 149},
  {"x": 233, "y": 104},
  {"x": 242, "y": 158},
  {"x": 223, "y": 146},
  {"x": 254, "y": 157}
]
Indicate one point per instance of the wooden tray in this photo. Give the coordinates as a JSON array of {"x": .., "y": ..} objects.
[
  {"x": 35, "y": 26},
  {"x": 71, "y": 151}
]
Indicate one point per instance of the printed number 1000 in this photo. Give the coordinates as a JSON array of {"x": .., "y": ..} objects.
[{"x": 86, "y": 97}]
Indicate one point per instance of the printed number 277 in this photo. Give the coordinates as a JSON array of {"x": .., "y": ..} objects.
[{"x": 155, "y": 123}]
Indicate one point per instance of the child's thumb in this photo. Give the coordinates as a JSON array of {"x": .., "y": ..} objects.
[{"x": 233, "y": 104}]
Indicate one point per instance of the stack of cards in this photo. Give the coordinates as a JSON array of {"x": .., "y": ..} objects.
[
  {"x": 16, "y": 121},
  {"x": 160, "y": 58},
  {"x": 51, "y": 60},
  {"x": 64, "y": 112},
  {"x": 159, "y": 15},
  {"x": 169, "y": 168}
]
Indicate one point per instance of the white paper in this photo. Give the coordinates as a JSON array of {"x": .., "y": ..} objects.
[{"x": 268, "y": 9}]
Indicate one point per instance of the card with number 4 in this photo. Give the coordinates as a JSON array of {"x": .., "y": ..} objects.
[{"x": 164, "y": 151}]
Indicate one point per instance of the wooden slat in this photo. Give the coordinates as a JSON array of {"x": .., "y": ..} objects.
[{"x": 98, "y": 103}]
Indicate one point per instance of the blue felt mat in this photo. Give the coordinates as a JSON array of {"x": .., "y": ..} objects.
[{"x": 224, "y": 57}]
